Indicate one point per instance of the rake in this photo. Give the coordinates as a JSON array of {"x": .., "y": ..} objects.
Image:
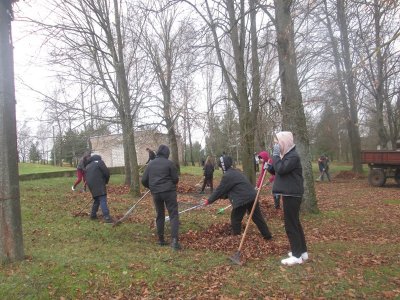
[
  {"x": 83, "y": 208},
  {"x": 130, "y": 210},
  {"x": 221, "y": 210},
  {"x": 186, "y": 210},
  {"x": 235, "y": 258}
]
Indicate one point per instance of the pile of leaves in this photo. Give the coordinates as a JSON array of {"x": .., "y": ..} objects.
[{"x": 348, "y": 175}]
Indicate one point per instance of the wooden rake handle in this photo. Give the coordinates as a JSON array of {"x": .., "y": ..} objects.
[{"x": 252, "y": 212}]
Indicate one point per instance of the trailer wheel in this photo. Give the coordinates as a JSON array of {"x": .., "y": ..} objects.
[
  {"x": 397, "y": 176},
  {"x": 376, "y": 177}
]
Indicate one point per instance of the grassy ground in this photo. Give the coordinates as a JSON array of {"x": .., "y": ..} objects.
[
  {"x": 354, "y": 247},
  {"x": 28, "y": 168}
]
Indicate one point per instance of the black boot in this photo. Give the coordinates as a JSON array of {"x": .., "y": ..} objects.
[
  {"x": 161, "y": 241},
  {"x": 175, "y": 244}
]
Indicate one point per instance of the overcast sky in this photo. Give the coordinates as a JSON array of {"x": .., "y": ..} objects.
[{"x": 29, "y": 64}]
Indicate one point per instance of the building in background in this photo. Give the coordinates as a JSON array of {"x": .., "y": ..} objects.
[{"x": 110, "y": 147}]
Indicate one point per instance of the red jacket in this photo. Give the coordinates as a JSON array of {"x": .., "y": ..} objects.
[{"x": 266, "y": 159}]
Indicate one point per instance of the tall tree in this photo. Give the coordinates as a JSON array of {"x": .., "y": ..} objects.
[
  {"x": 378, "y": 28},
  {"x": 167, "y": 41},
  {"x": 234, "y": 39},
  {"x": 293, "y": 117},
  {"x": 345, "y": 76},
  {"x": 11, "y": 242},
  {"x": 95, "y": 42}
]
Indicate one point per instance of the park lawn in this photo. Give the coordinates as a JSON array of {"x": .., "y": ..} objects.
[
  {"x": 353, "y": 243},
  {"x": 31, "y": 168}
]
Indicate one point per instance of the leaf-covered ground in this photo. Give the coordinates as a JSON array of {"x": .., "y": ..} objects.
[{"x": 354, "y": 245}]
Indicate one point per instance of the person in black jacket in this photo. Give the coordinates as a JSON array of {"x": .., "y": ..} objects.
[
  {"x": 152, "y": 155},
  {"x": 235, "y": 186},
  {"x": 161, "y": 177},
  {"x": 208, "y": 174},
  {"x": 97, "y": 177},
  {"x": 289, "y": 183}
]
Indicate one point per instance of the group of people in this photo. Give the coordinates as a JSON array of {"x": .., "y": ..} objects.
[
  {"x": 94, "y": 173},
  {"x": 286, "y": 169},
  {"x": 161, "y": 178}
]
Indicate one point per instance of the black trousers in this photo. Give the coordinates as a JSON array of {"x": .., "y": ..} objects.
[
  {"x": 294, "y": 230},
  {"x": 168, "y": 200},
  {"x": 210, "y": 183},
  {"x": 238, "y": 213}
]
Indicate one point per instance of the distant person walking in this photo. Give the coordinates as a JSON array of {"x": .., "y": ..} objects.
[
  {"x": 221, "y": 163},
  {"x": 80, "y": 171},
  {"x": 97, "y": 177},
  {"x": 323, "y": 165},
  {"x": 152, "y": 155},
  {"x": 208, "y": 174}
]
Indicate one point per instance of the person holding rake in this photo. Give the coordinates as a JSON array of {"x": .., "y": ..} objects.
[
  {"x": 241, "y": 193},
  {"x": 289, "y": 183},
  {"x": 265, "y": 162},
  {"x": 161, "y": 177}
]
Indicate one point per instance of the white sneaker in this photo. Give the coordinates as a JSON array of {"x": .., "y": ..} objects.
[
  {"x": 292, "y": 260},
  {"x": 72, "y": 188},
  {"x": 304, "y": 255}
]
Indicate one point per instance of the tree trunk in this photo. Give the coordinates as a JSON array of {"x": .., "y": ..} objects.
[
  {"x": 247, "y": 120},
  {"x": 352, "y": 121},
  {"x": 380, "y": 81},
  {"x": 124, "y": 90},
  {"x": 293, "y": 118},
  {"x": 11, "y": 242},
  {"x": 171, "y": 128}
]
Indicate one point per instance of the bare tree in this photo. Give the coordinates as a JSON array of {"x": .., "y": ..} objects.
[
  {"x": 231, "y": 21},
  {"x": 24, "y": 140},
  {"x": 96, "y": 44},
  {"x": 293, "y": 117},
  {"x": 167, "y": 42},
  {"x": 377, "y": 31},
  {"x": 11, "y": 242}
]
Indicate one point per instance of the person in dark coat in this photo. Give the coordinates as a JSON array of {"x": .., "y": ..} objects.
[
  {"x": 323, "y": 165},
  {"x": 97, "y": 177},
  {"x": 80, "y": 170},
  {"x": 241, "y": 193},
  {"x": 161, "y": 177},
  {"x": 152, "y": 155},
  {"x": 289, "y": 183},
  {"x": 221, "y": 162},
  {"x": 208, "y": 174}
]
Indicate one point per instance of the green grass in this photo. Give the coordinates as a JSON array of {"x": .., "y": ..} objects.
[
  {"x": 29, "y": 168},
  {"x": 75, "y": 258}
]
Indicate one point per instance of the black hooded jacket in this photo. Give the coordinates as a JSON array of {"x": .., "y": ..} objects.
[
  {"x": 97, "y": 176},
  {"x": 288, "y": 175},
  {"x": 161, "y": 175},
  {"x": 235, "y": 186}
]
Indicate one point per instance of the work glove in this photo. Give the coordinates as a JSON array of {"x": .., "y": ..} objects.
[
  {"x": 276, "y": 150},
  {"x": 206, "y": 202},
  {"x": 256, "y": 188}
]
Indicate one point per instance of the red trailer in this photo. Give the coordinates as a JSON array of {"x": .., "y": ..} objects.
[{"x": 382, "y": 165}]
